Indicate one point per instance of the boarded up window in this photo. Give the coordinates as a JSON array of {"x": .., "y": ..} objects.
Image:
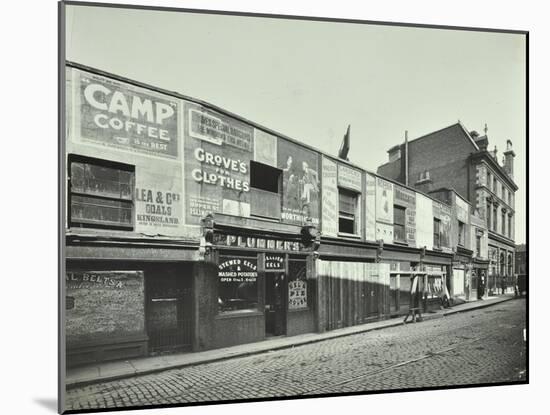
[
  {"x": 104, "y": 304},
  {"x": 101, "y": 194}
]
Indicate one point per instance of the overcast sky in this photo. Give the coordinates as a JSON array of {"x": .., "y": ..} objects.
[{"x": 309, "y": 80}]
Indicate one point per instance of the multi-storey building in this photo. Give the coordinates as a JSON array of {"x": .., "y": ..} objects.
[
  {"x": 188, "y": 227},
  {"x": 455, "y": 158}
]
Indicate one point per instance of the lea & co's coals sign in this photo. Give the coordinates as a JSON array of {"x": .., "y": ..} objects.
[{"x": 124, "y": 116}]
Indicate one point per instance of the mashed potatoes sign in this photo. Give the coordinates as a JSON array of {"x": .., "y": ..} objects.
[{"x": 119, "y": 115}]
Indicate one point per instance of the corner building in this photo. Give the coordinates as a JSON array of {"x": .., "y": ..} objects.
[{"x": 190, "y": 228}]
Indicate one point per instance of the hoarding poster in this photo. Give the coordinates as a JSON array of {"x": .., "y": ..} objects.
[
  {"x": 349, "y": 178},
  {"x": 265, "y": 148},
  {"x": 102, "y": 304},
  {"x": 462, "y": 210},
  {"x": 407, "y": 198},
  {"x": 329, "y": 221},
  {"x": 384, "y": 201},
  {"x": 424, "y": 222},
  {"x": 384, "y": 232},
  {"x": 370, "y": 208},
  {"x": 118, "y": 115},
  {"x": 445, "y": 228},
  {"x": 158, "y": 203},
  {"x": 301, "y": 184},
  {"x": 218, "y": 150}
]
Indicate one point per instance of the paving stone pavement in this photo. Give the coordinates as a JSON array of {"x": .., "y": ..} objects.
[{"x": 481, "y": 346}]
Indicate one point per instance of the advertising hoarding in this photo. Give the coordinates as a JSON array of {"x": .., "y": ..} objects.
[
  {"x": 330, "y": 198},
  {"x": 384, "y": 201},
  {"x": 111, "y": 113},
  {"x": 370, "y": 208},
  {"x": 349, "y": 178},
  {"x": 301, "y": 186}
]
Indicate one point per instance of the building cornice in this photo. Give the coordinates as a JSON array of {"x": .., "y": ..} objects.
[{"x": 485, "y": 156}]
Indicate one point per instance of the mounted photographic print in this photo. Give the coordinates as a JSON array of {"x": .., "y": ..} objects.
[{"x": 258, "y": 207}]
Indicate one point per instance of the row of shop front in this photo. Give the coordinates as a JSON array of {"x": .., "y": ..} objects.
[{"x": 128, "y": 298}]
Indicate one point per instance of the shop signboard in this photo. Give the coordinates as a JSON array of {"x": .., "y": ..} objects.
[
  {"x": 370, "y": 208},
  {"x": 301, "y": 186},
  {"x": 384, "y": 201},
  {"x": 218, "y": 150},
  {"x": 349, "y": 178},
  {"x": 274, "y": 262},
  {"x": 329, "y": 209},
  {"x": 158, "y": 202},
  {"x": 123, "y": 116},
  {"x": 407, "y": 198},
  {"x": 104, "y": 304},
  {"x": 238, "y": 270},
  {"x": 253, "y": 242}
]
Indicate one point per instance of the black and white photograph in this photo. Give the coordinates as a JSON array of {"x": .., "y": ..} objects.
[{"x": 273, "y": 207}]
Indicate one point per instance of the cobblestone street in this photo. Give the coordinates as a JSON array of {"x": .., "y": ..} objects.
[{"x": 481, "y": 346}]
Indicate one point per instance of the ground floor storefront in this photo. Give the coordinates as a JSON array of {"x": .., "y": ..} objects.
[
  {"x": 243, "y": 286},
  {"x": 500, "y": 278}
]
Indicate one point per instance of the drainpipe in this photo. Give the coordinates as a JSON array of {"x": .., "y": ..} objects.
[{"x": 406, "y": 158}]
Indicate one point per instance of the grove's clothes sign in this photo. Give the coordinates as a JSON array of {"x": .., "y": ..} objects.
[
  {"x": 301, "y": 185},
  {"x": 124, "y": 116},
  {"x": 218, "y": 150},
  {"x": 101, "y": 304},
  {"x": 330, "y": 198}
]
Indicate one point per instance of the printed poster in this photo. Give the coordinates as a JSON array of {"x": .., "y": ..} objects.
[
  {"x": 384, "y": 201},
  {"x": 118, "y": 115},
  {"x": 330, "y": 199},
  {"x": 370, "y": 208},
  {"x": 301, "y": 185}
]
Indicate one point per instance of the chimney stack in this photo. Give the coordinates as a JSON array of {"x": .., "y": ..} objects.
[{"x": 509, "y": 159}]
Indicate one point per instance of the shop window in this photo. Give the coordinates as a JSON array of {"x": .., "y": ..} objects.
[
  {"x": 461, "y": 233},
  {"x": 265, "y": 184},
  {"x": 437, "y": 233},
  {"x": 100, "y": 193},
  {"x": 297, "y": 285},
  {"x": 237, "y": 284},
  {"x": 399, "y": 224},
  {"x": 347, "y": 211}
]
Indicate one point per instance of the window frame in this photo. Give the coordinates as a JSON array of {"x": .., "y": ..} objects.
[
  {"x": 461, "y": 233},
  {"x": 346, "y": 215},
  {"x": 399, "y": 225},
  {"x": 72, "y": 194}
]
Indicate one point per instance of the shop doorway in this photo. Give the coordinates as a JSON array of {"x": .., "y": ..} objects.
[
  {"x": 275, "y": 304},
  {"x": 169, "y": 310}
]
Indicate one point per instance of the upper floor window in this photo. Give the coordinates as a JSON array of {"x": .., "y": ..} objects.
[
  {"x": 265, "y": 185},
  {"x": 478, "y": 245},
  {"x": 495, "y": 218},
  {"x": 503, "y": 221},
  {"x": 461, "y": 233},
  {"x": 348, "y": 203},
  {"x": 503, "y": 192},
  {"x": 399, "y": 214},
  {"x": 488, "y": 215},
  {"x": 437, "y": 233},
  {"x": 509, "y": 226},
  {"x": 489, "y": 182},
  {"x": 495, "y": 185},
  {"x": 100, "y": 193},
  {"x": 510, "y": 199}
]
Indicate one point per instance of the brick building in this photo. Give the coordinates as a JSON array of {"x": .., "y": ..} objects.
[{"x": 458, "y": 159}]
